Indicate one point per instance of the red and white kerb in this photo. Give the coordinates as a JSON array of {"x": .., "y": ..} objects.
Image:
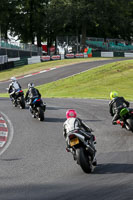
[{"x": 3, "y": 132}]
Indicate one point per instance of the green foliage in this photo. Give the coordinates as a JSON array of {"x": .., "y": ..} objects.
[{"x": 46, "y": 19}]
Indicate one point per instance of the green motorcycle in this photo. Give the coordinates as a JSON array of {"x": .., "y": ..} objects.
[{"x": 126, "y": 116}]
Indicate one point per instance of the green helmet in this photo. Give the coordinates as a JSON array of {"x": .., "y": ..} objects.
[{"x": 113, "y": 94}]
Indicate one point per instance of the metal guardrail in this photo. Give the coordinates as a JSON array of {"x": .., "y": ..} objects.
[
  {"x": 21, "y": 62},
  {"x": 3, "y": 59},
  {"x": 20, "y": 46}
]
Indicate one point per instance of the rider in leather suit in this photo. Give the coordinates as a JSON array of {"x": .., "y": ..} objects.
[
  {"x": 31, "y": 94},
  {"x": 75, "y": 123},
  {"x": 13, "y": 87},
  {"x": 115, "y": 106}
]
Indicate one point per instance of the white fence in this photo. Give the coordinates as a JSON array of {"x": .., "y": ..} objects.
[
  {"x": 128, "y": 55},
  {"x": 3, "y": 59},
  {"x": 107, "y": 54},
  {"x": 34, "y": 59}
]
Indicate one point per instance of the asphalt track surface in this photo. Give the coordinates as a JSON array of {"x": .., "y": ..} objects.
[{"x": 36, "y": 166}]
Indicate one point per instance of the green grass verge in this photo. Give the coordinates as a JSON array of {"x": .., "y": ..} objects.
[
  {"x": 95, "y": 83},
  {"x": 27, "y": 69}
]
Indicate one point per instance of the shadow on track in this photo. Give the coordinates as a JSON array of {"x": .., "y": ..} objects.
[
  {"x": 11, "y": 159},
  {"x": 56, "y": 108},
  {"x": 113, "y": 168},
  {"x": 62, "y": 120}
]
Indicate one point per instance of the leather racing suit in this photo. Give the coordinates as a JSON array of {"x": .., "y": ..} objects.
[{"x": 115, "y": 106}]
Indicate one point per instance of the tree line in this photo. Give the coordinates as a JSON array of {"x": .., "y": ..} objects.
[{"x": 47, "y": 19}]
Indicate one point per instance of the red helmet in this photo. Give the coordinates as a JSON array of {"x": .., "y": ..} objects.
[{"x": 71, "y": 114}]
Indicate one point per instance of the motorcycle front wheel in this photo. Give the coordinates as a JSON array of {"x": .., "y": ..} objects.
[
  {"x": 22, "y": 102},
  {"x": 84, "y": 160},
  {"x": 40, "y": 114},
  {"x": 14, "y": 103}
]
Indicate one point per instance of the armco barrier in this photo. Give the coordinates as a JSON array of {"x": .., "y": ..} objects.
[
  {"x": 96, "y": 54},
  {"x": 68, "y": 56},
  {"x": 107, "y": 54},
  {"x": 55, "y": 57},
  {"x": 45, "y": 58},
  {"x": 37, "y": 59},
  {"x": 7, "y": 65},
  {"x": 13, "y": 59},
  {"x": 48, "y": 58},
  {"x": 34, "y": 59},
  {"x": 128, "y": 54},
  {"x": 118, "y": 54},
  {"x": 79, "y": 55},
  {"x": 3, "y": 59},
  {"x": 21, "y": 62}
]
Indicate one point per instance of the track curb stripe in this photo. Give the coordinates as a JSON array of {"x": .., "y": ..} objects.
[
  {"x": 3, "y": 132},
  {"x": 35, "y": 73}
]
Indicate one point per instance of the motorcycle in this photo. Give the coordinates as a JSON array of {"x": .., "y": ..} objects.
[
  {"x": 82, "y": 150},
  {"x": 126, "y": 119},
  {"x": 38, "y": 108},
  {"x": 19, "y": 99}
]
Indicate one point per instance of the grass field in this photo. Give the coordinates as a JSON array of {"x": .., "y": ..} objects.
[{"x": 95, "y": 83}]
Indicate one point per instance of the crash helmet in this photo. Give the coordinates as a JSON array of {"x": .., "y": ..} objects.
[
  {"x": 71, "y": 114},
  {"x": 13, "y": 79},
  {"x": 30, "y": 85},
  {"x": 113, "y": 94}
]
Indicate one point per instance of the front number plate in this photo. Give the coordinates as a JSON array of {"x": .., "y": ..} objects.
[{"x": 74, "y": 142}]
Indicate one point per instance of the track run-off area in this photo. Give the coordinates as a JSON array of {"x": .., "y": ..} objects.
[{"x": 35, "y": 165}]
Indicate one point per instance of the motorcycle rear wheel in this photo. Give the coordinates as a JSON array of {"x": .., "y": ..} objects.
[{"x": 84, "y": 160}]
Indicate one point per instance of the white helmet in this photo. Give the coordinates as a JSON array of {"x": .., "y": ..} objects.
[
  {"x": 30, "y": 85},
  {"x": 13, "y": 79}
]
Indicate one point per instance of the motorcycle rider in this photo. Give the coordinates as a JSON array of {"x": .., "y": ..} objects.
[
  {"x": 115, "y": 106},
  {"x": 13, "y": 87},
  {"x": 75, "y": 123},
  {"x": 31, "y": 94}
]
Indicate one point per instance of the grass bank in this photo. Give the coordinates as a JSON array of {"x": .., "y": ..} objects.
[{"x": 95, "y": 83}]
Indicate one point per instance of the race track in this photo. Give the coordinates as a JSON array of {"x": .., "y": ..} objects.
[
  {"x": 36, "y": 165},
  {"x": 58, "y": 73}
]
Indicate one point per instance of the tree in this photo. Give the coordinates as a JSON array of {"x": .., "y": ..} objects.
[
  {"x": 45, "y": 19},
  {"x": 7, "y": 10}
]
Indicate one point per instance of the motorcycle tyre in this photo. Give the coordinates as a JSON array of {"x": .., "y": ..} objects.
[
  {"x": 22, "y": 103},
  {"x": 130, "y": 122},
  {"x": 84, "y": 161},
  {"x": 14, "y": 103},
  {"x": 40, "y": 114}
]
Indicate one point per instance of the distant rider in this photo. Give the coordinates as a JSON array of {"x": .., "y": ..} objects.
[
  {"x": 31, "y": 94},
  {"x": 75, "y": 123},
  {"x": 115, "y": 106},
  {"x": 13, "y": 87}
]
